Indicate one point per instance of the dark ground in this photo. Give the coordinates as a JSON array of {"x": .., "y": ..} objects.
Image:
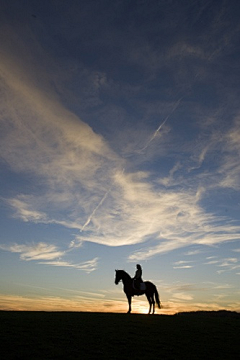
[{"x": 76, "y": 335}]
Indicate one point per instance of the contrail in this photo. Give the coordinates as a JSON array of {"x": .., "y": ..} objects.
[
  {"x": 161, "y": 125},
  {"x": 96, "y": 208}
]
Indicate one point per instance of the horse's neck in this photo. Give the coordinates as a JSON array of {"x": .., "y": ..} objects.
[{"x": 126, "y": 276}]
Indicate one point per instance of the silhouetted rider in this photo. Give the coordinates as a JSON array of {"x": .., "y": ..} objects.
[{"x": 138, "y": 277}]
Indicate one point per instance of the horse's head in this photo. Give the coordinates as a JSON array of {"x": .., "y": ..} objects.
[{"x": 118, "y": 276}]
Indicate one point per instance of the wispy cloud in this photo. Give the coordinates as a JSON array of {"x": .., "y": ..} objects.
[
  {"x": 87, "y": 266},
  {"x": 23, "y": 210},
  {"x": 182, "y": 296},
  {"x": 71, "y": 167},
  {"x": 230, "y": 167},
  {"x": 183, "y": 267},
  {"x": 182, "y": 264},
  {"x": 40, "y": 251},
  {"x": 228, "y": 264},
  {"x": 212, "y": 262},
  {"x": 225, "y": 264},
  {"x": 47, "y": 254},
  {"x": 193, "y": 252}
]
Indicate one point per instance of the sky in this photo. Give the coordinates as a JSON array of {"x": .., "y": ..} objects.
[{"x": 119, "y": 145}]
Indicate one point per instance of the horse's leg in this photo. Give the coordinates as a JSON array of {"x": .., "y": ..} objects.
[
  {"x": 129, "y": 303},
  {"x": 150, "y": 303},
  {"x": 153, "y": 304}
]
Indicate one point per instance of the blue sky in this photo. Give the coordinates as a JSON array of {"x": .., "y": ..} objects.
[{"x": 120, "y": 144}]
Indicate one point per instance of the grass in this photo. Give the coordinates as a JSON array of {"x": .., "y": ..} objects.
[{"x": 72, "y": 335}]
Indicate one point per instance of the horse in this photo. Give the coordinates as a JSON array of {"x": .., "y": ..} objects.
[{"x": 130, "y": 291}]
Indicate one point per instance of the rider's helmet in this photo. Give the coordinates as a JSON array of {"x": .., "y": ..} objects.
[{"x": 138, "y": 266}]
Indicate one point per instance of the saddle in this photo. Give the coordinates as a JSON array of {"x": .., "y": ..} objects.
[{"x": 142, "y": 286}]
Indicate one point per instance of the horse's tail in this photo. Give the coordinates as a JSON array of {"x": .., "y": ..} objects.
[{"x": 157, "y": 298}]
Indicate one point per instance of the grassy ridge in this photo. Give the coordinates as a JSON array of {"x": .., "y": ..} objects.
[{"x": 66, "y": 335}]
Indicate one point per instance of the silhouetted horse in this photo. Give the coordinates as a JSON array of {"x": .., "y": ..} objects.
[{"x": 130, "y": 291}]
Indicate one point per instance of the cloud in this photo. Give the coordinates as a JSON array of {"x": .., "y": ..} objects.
[
  {"x": 226, "y": 264},
  {"x": 185, "y": 288},
  {"x": 40, "y": 251},
  {"x": 212, "y": 262},
  {"x": 182, "y": 264},
  {"x": 193, "y": 252},
  {"x": 182, "y": 296},
  {"x": 60, "y": 303},
  {"x": 56, "y": 146},
  {"x": 24, "y": 212},
  {"x": 230, "y": 167},
  {"x": 76, "y": 174},
  {"x": 131, "y": 212},
  {"x": 229, "y": 261},
  {"x": 223, "y": 286},
  {"x": 135, "y": 211},
  {"x": 47, "y": 254},
  {"x": 39, "y": 134},
  {"x": 87, "y": 266},
  {"x": 123, "y": 208}
]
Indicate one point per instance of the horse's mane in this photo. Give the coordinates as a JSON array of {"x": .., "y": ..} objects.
[{"x": 125, "y": 273}]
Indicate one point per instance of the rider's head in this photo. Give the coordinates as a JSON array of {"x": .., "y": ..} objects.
[{"x": 138, "y": 266}]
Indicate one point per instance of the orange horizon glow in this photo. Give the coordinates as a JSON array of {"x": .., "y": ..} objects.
[{"x": 55, "y": 304}]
